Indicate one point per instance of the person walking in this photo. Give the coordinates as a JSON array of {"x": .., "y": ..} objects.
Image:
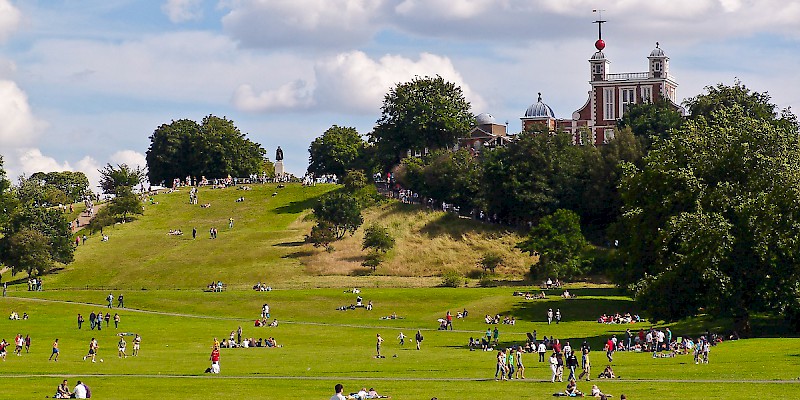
[
  {"x": 116, "y": 320},
  {"x": 496, "y": 335},
  {"x": 92, "y": 318},
  {"x": 55, "y": 351},
  {"x": 553, "y": 367},
  {"x": 402, "y": 338},
  {"x": 449, "y": 319},
  {"x": 93, "y": 347},
  {"x": 572, "y": 364},
  {"x": 108, "y": 319},
  {"x": 27, "y": 343},
  {"x": 121, "y": 346},
  {"x": 110, "y": 299},
  {"x": 80, "y": 321},
  {"x": 418, "y": 338},
  {"x": 137, "y": 341},
  {"x": 120, "y": 301},
  {"x": 230, "y": 223},
  {"x": 610, "y": 350},
  {"x": 501, "y": 366},
  {"x": 549, "y": 316},
  {"x": 520, "y": 365},
  {"x": 587, "y": 365},
  {"x": 558, "y": 316}
]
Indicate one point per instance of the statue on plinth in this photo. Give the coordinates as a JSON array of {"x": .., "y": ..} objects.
[{"x": 279, "y": 154}]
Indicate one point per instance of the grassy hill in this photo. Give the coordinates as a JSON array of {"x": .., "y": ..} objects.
[{"x": 266, "y": 245}]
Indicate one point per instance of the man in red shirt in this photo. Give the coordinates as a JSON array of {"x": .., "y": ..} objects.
[
  {"x": 449, "y": 318},
  {"x": 610, "y": 350},
  {"x": 215, "y": 360}
]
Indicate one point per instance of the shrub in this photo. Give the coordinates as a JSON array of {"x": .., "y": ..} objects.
[{"x": 452, "y": 279}]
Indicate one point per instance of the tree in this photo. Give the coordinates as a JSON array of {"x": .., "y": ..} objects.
[
  {"x": 490, "y": 261},
  {"x": 338, "y": 150},
  {"x": 215, "y": 148},
  {"x": 341, "y": 211},
  {"x": 712, "y": 215},
  {"x": 73, "y": 186},
  {"x": 650, "y": 121},
  {"x": 533, "y": 176},
  {"x": 558, "y": 241},
  {"x": 112, "y": 178},
  {"x": 450, "y": 176},
  {"x": 125, "y": 203},
  {"x": 48, "y": 222},
  {"x": 426, "y": 113},
  {"x": 7, "y": 199},
  {"x": 373, "y": 259},
  {"x": 29, "y": 251},
  {"x": 354, "y": 180},
  {"x": 377, "y": 238},
  {"x": 322, "y": 235}
]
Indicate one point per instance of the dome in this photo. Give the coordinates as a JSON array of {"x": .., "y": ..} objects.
[
  {"x": 657, "y": 52},
  {"x": 598, "y": 56},
  {"x": 539, "y": 110},
  {"x": 484, "y": 119}
]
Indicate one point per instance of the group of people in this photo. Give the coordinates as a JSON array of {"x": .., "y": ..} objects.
[
  {"x": 81, "y": 391},
  {"x": 20, "y": 342},
  {"x": 362, "y": 394},
  {"x": 96, "y": 320},
  {"x": 35, "y": 284},
  {"x": 497, "y": 319},
  {"x": 553, "y": 316},
  {"x": 262, "y": 287},
  {"x": 618, "y": 318},
  {"x": 15, "y": 317},
  {"x": 531, "y": 296}
]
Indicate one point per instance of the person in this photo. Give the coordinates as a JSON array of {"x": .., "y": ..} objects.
[
  {"x": 362, "y": 394},
  {"x": 55, "y": 351},
  {"x": 520, "y": 365},
  {"x": 120, "y": 301},
  {"x": 549, "y": 316},
  {"x": 554, "y": 367},
  {"x": 92, "y": 318},
  {"x": 80, "y": 321},
  {"x": 137, "y": 341},
  {"x": 239, "y": 335},
  {"x": 108, "y": 319},
  {"x": 5, "y": 288},
  {"x": 80, "y": 391},
  {"x": 379, "y": 340},
  {"x": 230, "y": 223},
  {"x": 607, "y": 373},
  {"x": 495, "y": 335},
  {"x": 610, "y": 350},
  {"x": 92, "y": 350},
  {"x": 116, "y": 320},
  {"x": 27, "y": 343},
  {"x": 194, "y": 233},
  {"x": 402, "y": 338},
  {"x": 214, "y": 361},
  {"x": 62, "y": 392},
  {"x": 572, "y": 364},
  {"x": 558, "y": 315},
  {"x": 597, "y": 393},
  {"x": 587, "y": 365},
  {"x": 3, "y": 346},
  {"x": 338, "y": 395},
  {"x": 110, "y": 299},
  {"x": 542, "y": 349},
  {"x": 418, "y": 338},
  {"x": 449, "y": 318},
  {"x": 501, "y": 366},
  {"x": 121, "y": 347},
  {"x": 572, "y": 389}
]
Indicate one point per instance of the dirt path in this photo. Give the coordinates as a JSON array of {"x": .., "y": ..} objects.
[{"x": 84, "y": 218}]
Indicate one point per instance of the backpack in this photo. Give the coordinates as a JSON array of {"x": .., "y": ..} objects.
[{"x": 88, "y": 391}]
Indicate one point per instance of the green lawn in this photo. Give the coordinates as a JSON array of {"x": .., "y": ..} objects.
[
  {"x": 323, "y": 346},
  {"x": 162, "y": 278}
]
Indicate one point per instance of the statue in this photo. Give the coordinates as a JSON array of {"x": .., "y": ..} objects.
[{"x": 279, "y": 154}]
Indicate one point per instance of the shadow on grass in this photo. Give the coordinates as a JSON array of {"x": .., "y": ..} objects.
[
  {"x": 290, "y": 244},
  {"x": 571, "y": 309},
  {"x": 456, "y": 227},
  {"x": 297, "y": 207},
  {"x": 361, "y": 272},
  {"x": 299, "y": 254}
]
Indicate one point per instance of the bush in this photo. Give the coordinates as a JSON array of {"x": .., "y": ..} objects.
[
  {"x": 452, "y": 279},
  {"x": 486, "y": 280}
]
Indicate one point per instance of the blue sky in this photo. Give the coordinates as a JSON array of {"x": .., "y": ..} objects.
[{"x": 85, "y": 82}]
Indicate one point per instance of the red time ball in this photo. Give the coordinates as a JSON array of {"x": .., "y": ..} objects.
[{"x": 600, "y": 44}]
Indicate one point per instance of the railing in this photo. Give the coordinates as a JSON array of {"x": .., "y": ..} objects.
[{"x": 628, "y": 76}]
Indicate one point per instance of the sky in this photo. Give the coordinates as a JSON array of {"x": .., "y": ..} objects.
[{"x": 86, "y": 82}]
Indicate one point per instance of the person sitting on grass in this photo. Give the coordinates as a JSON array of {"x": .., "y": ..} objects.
[
  {"x": 572, "y": 389},
  {"x": 62, "y": 392},
  {"x": 597, "y": 393},
  {"x": 372, "y": 394},
  {"x": 607, "y": 373}
]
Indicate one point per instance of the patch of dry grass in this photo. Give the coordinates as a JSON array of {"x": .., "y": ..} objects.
[{"x": 427, "y": 244}]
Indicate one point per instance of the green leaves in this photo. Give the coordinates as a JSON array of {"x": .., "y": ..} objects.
[
  {"x": 558, "y": 241},
  {"x": 341, "y": 211},
  {"x": 338, "y": 150}
]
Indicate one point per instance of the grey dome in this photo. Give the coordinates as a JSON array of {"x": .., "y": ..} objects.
[
  {"x": 484, "y": 119},
  {"x": 598, "y": 56},
  {"x": 540, "y": 110},
  {"x": 657, "y": 52}
]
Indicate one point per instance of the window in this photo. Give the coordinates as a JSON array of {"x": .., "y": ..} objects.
[
  {"x": 647, "y": 94},
  {"x": 609, "y": 135},
  {"x": 627, "y": 96},
  {"x": 657, "y": 66},
  {"x": 608, "y": 101},
  {"x": 597, "y": 69}
]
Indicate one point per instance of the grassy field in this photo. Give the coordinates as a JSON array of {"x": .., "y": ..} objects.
[
  {"x": 162, "y": 279},
  {"x": 323, "y": 346}
]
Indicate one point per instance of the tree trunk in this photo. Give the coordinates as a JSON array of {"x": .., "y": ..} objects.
[{"x": 741, "y": 324}]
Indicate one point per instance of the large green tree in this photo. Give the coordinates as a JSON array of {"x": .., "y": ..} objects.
[
  {"x": 651, "y": 121},
  {"x": 559, "y": 243},
  {"x": 712, "y": 218},
  {"x": 214, "y": 148},
  {"x": 450, "y": 176},
  {"x": 424, "y": 113},
  {"x": 122, "y": 176},
  {"x": 340, "y": 212},
  {"x": 338, "y": 150},
  {"x": 73, "y": 185}
]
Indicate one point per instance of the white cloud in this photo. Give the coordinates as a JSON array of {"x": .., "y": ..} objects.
[
  {"x": 351, "y": 82},
  {"x": 183, "y": 10},
  {"x": 293, "y": 95},
  {"x": 31, "y": 160},
  {"x": 9, "y": 19},
  {"x": 132, "y": 158},
  {"x": 319, "y": 23},
  {"x": 19, "y": 127},
  {"x": 355, "y": 82}
]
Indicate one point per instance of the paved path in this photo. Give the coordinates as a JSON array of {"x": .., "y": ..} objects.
[{"x": 84, "y": 218}]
